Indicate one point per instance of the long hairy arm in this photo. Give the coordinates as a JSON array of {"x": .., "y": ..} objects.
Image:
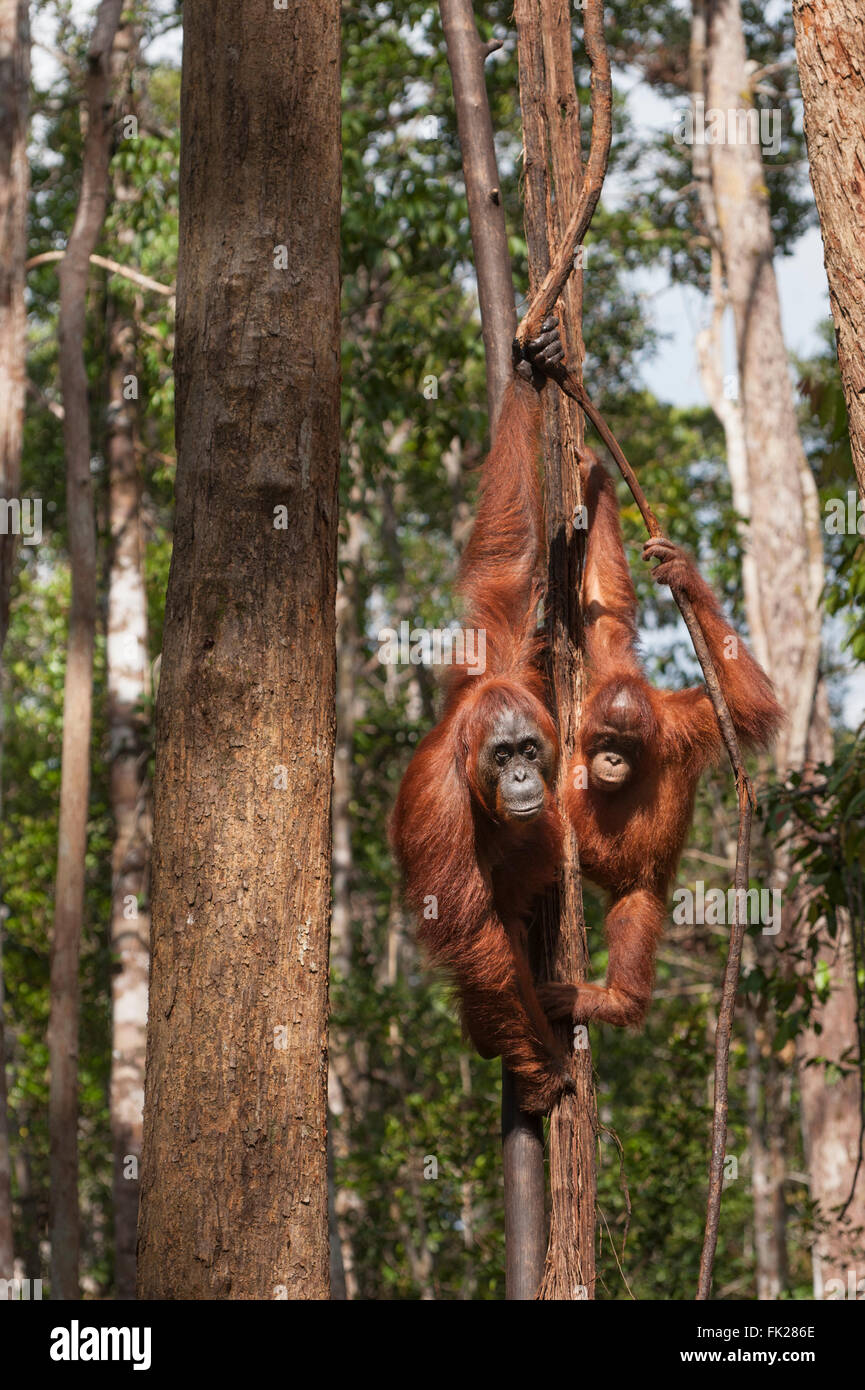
[
  {"x": 499, "y": 571},
  {"x": 499, "y": 576},
  {"x": 689, "y": 715},
  {"x": 609, "y": 599}
]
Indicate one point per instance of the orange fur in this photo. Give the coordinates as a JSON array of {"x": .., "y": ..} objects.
[
  {"x": 471, "y": 877},
  {"x": 630, "y": 839}
]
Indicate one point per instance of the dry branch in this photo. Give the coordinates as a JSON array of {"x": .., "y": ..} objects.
[{"x": 136, "y": 276}]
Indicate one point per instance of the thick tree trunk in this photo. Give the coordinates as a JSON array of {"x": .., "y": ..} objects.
[
  {"x": 234, "y": 1181},
  {"x": 830, "y": 45},
  {"x": 14, "y": 185},
  {"x": 128, "y": 679},
  {"x": 785, "y": 533},
  {"x": 78, "y": 688}
]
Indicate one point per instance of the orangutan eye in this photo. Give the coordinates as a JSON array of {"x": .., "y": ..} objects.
[
  {"x": 503, "y": 752},
  {"x": 530, "y": 750}
]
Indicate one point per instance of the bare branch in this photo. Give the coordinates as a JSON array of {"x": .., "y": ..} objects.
[{"x": 144, "y": 281}]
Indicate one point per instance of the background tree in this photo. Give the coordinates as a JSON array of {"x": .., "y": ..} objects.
[
  {"x": 14, "y": 184},
  {"x": 78, "y": 687},
  {"x": 830, "y": 45}
]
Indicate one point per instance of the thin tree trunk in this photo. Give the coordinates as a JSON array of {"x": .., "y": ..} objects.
[
  {"x": 785, "y": 532},
  {"x": 551, "y": 148},
  {"x": 830, "y": 45},
  {"x": 234, "y": 1180},
  {"x": 14, "y": 186},
  {"x": 522, "y": 1134},
  {"x": 766, "y": 1126},
  {"x": 14, "y": 190},
  {"x": 466, "y": 58},
  {"x": 764, "y": 1123},
  {"x": 128, "y": 679},
  {"x": 785, "y": 525},
  {"x": 831, "y": 1104},
  {"x": 128, "y": 683},
  {"x": 78, "y": 688},
  {"x": 342, "y": 1077}
]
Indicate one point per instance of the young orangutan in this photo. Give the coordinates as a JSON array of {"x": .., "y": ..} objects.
[{"x": 631, "y": 787}]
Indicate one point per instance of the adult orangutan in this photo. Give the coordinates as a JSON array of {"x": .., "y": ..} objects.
[
  {"x": 476, "y": 828},
  {"x": 631, "y": 787}
]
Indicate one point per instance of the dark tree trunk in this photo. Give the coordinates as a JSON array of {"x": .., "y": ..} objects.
[
  {"x": 78, "y": 687},
  {"x": 234, "y": 1181}
]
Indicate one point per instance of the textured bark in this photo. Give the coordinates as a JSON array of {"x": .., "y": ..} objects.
[
  {"x": 830, "y": 45},
  {"x": 830, "y": 1126},
  {"x": 466, "y": 57},
  {"x": 551, "y": 160},
  {"x": 78, "y": 687},
  {"x": 234, "y": 1180},
  {"x": 766, "y": 1120},
  {"x": 765, "y": 1123},
  {"x": 128, "y": 680},
  {"x": 522, "y": 1134},
  {"x": 830, "y": 1103},
  {"x": 14, "y": 185},
  {"x": 785, "y": 533}
]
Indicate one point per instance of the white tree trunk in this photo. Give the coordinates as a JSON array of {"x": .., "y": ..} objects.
[
  {"x": 128, "y": 679},
  {"x": 784, "y": 588}
]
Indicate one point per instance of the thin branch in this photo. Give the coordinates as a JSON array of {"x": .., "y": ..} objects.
[
  {"x": 595, "y": 172},
  {"x": 37, "y": 394},
  {"x": 106, "y": 263}
]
